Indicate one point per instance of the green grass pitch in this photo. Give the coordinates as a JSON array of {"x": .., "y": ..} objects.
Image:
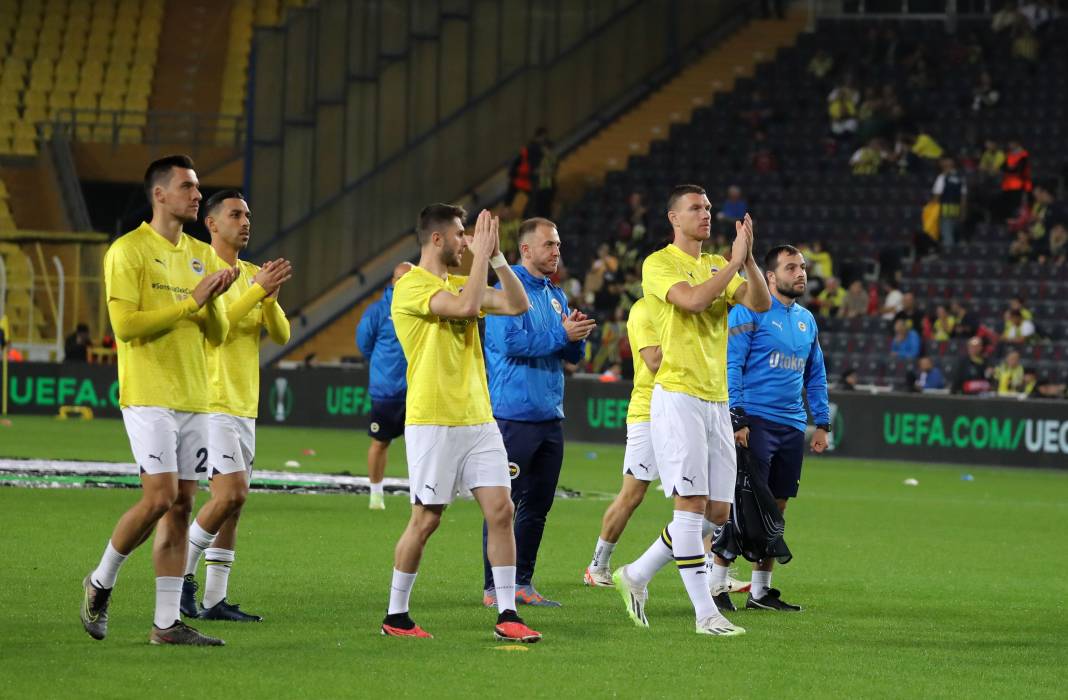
[{"x": 949, "y": 589}]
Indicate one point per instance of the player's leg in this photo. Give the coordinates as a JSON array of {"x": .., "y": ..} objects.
[
  {"x": 377, "y": 455},
  {"x": 520, "y": 445},
  {"x": 532, "y": 510},
  {"x": 153, "y": 441},
  {"x": 387, "y": 424}
]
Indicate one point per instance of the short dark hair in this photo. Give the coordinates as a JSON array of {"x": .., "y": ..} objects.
[
  {"x": 679, "y": 191},
  {"x": 160, "y": 170},
  {"x": 216, "y": 200},
  {"x": 434, "y": 216},
  {"x": 771, "y": 259},
  {"x": 531, "y": 225}
]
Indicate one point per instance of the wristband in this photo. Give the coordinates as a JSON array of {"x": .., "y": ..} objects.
[
  {"x": 824, "y": 427},
  {"x": 498, "y": 260}
]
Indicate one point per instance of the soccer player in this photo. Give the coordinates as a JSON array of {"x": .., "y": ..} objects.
[
  {"x": 162, "y": 287},
  {"x": 377, "y": 340},
  {"x": 251, "y": 306},
  {"x": 688, "y": 293},
  {"x": 639, "y": 462},
  {"x": 451, "y": 439},
  {"x": 524, "y": 356},
  {"x": 771, "y": 358}
]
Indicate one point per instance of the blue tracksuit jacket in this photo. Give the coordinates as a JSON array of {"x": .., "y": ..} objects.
[
  {"x": 377, "y": 340},
  {"x": 771, "y": 357},
  {"x": 523, "y": 354}
]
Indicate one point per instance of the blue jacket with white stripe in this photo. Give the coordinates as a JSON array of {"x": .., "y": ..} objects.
[{"x": 377, "y": 340}]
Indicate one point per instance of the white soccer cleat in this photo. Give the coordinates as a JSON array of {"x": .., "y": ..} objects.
[
  {"x": 736, "y": 586},
  {"x": 718, "y": 626},
  {"x": 378, "y": 502},
  {"x": 598, "y": 578},
  {"x": 633, "y": 596}
]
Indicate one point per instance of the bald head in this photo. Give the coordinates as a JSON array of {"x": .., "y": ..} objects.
[{"x": 399, "y": 271}]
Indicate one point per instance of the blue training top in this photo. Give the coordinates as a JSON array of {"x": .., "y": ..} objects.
[{"x": 377, "y": 340}]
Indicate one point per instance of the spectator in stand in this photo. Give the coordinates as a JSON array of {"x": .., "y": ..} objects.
[
  {"x": 926, "y": 377},
  {"x": 821, "y": 66},
  {"x": 967, "y": 325},
  {"x": 820, "y": 260},
  {"x": 734, "y": 207},
  {"x": 985, "y": 95},
  {"x": 842, "y": 108},
  {"x": 943, "y": 324},
  {"x": 855, "y": 304},
  {"x": 762, "y": 157},
  {"x": 1017, "y": 328},
  {"x": 1046, "y": 212},
  {"x": 524, "y": 169},
  {"x": 991, "y": 160},
  {"x": 759, "y": 113},
  {"x": 832, "y": 298},
  {"x": 1009, "y": 375},
  {"x": 1039, "y": 14},
  {"x": 973, "y": 373},
  {"x": 613, "y": 373},
  {"x": 76, "y": 348},
  {"x": 924, "y": 146},
  {"x": 906, "y": 342},
  {"x": 1017, "y": 303},
  {"x": 1007, "y": 19},
  {"x": 571, "y": 286},
  {"x": 1025, "y": 47},
  {"x": 544, "y": 183},
  {"x": 951, "y": 191},
  {"x": 872, "y": 116},
  {"x": 1050, "y": 389},
  {"x": 607, "y": 298},
  {"x": 868, "y": 159},
  {"x": 611, "y": 334},
  {"x": 604, "y": 266},
  {"x": 1015, "y": 179},
  {"x": 1058, "y": 245},
  {"x": 635, "y": 222},
  {"x": 892, "y": 302},
  {"x": 849, "y": 380},
  {"x": 1020, "y": 250},
  {"x": 1030, "y": 384}
]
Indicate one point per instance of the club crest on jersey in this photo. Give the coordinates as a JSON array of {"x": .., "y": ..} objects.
[
  {"x": 198, "y": 267},
  {"x": 513, "y": 470},
  {"x": 801, "y": 326},
  {"x": 557, "y": 306},
  {"x": 714, "y": 269},
  {"x": 374, "y": 427}
]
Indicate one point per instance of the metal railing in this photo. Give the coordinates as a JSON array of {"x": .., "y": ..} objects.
[
  {"x": 903, "y": 9},
  {"x": 152, "y": 128}
]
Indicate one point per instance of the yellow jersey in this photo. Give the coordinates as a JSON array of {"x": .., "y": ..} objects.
[
  {"x": 168, "y": 368},
  {"x": 641, "y": 333},
  {"x": 235, "y": 365},
  {"x": 446, "y": 370},
  {"x": 694, "y": 345}
]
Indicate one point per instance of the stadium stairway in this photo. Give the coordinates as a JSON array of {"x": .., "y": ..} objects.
[
  {"x": 716, "y": 72},
  {"x": 191, "y": 80}
]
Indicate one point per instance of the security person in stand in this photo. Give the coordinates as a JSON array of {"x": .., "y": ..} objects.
[{"x": 524, "y": 356}]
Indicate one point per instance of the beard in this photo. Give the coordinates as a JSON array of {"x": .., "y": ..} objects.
[
  {"x": 451, "y": 257},
  {"x": 788, "y": 291}
]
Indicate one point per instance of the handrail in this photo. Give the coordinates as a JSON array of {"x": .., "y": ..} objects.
[{"x": 158, "y": 127}]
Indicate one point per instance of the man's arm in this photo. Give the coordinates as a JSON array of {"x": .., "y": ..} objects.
[
  {"x": 516, "y": 340},
  {"x": 468, "y": 303},
  {"x": 275, "y": 321},
  {"x": 131, "y": 323},
  {"x": 742, "y": 324},
  {"x": 511, "y": 299},
  {"x": 366, "y": 330},
  {"x": 753, "y": 293},
  {"x": 696, "y": 299},
  {"x": 216, "y": 323},
  {"x": 816, "y": 391},
  {"x": 652, "y": 356}
]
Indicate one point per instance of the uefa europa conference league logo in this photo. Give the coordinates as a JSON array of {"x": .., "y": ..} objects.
[{"x": 281, "y": 399}]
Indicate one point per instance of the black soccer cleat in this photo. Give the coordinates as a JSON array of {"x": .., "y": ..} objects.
[
  {"x": 723, "y": 602},
  {"x": 182, "y": 634},
  {"x": 95, "y": 608},
  {"x": 229, "y": 612},
  {"x": 189, "y": 605},
  {"x": 771, "y": 601}
]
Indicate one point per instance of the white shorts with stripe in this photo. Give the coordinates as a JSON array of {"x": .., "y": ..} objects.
[
  {"x": 639, "y": 460},
  {"x": 167, "y": 441},
  {"x": 231, "y": 444},
  {"x": 446, "y": 459},
  {"x": 694, "y": 445}
]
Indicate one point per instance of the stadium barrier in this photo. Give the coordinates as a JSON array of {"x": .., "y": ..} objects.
[{"x": 964, "y": 430}]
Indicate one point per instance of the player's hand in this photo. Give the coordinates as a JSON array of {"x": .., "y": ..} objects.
[
  {"x": 495, "y": 228},
  {"x": 577, "y": 315},
  {"x": 741, "y": 437},
  {"x": 577, "y": 329},
  {"x": 273, "y": 274},
  {"x": 751, "y": 236},
  {"x": 226, "y": 278},
  {"x": 208, "y": 287},
  {"x": 740, "y": 247},
  {"x": 482, "y": 242},
  {"x": 819, "y": 441}
]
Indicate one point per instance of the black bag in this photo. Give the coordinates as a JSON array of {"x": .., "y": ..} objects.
[{"x": 756, "y": 526}]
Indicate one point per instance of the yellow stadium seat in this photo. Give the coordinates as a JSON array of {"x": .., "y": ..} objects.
[
  {"x": 134, "y": 103},
  {"x": 37, "y": 113},
  {"x": 6, "y": 147},
  {"x": 139, "y": 88},
  {"x": 9, "y": 98},
  {"x": 13, "y": 66},
  {"x": 103, "y": 133},
  {"x": 24, "y": 147},
  {"x": 133, "y": 119},
  {"x": 84, "y": 101},
  {"x": 35, "y": 98},
  {"x": 111, "y": 102},
  {"x": 60, "y": 100},
  {"x": 129, "y": 134}
]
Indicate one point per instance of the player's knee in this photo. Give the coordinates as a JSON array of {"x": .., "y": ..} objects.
[
  {"x": 718, "y": 512},
  {"x": 158, "y": 501},
  {"x": 632, "y": 498},
  {"x": 233, "y": 500},
  {"x": 500, "y": 514}
]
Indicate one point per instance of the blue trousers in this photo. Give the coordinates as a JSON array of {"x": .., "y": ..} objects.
[{"x": 535, "y": 455}]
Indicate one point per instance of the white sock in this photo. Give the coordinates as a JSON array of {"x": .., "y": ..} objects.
[
  {"x": 168, "y": 595},
  {"x": 218, "y": 563},
  {"x": 690, "y": 559},
  {"x": 760, "y": 584},
  {"x": 504, "y": 586},
  {"x": 199, "y": 540},
  {"x": 400, "y": 591},
  {"x": 659, "y": 554},
  {"x": 107, "y": 570},
  {"x": 718, "y": 574},
  {"x": 602, "y": 554},
  {"x": 377, "y": 488}
]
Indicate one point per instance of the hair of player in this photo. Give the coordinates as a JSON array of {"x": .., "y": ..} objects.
[
  {"x": 215, "y": 201},
  {"x": 679, "y": 191},
  {"x": 433, "y": 217},
  {"x": 771, "y": 260},
  {"x": 159, "y": 171},
  {"x": 531, "y": 225}
]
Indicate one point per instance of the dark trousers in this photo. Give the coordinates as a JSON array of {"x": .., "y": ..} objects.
[{"x": 536, "y": 450}]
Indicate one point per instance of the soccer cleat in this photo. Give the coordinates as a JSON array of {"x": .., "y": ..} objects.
[
  {"x": 770, "y": 601},
  {"x": 736, "y": 586},
  {"x": 181, "y": 633},
  {"x": 229, "y": 612},
  {"x": 511, "y": 628},
  {"x": 526, "y": 595},
  {"x": 95, "y": 609},
  {"x": 378, "y": 502},
  {"x": 489, "y": 598},
  {"x": 189, "y": 606},
  {"x": 718, "y": 626},
  {"x": 598, "y": 578},
  {"x": 723, "y": 602},
  {"x": 402, "y": 625},
  {"x": 633, "y": 597}
]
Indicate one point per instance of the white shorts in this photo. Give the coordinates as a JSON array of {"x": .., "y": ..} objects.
[
  {"x": 639, "y": 460},
  {"x": 166, "y": 441},
  {"x": 445, "y": 459},
  {"x": 694, "y": 445},
  {"x": 231, "y": 444}
]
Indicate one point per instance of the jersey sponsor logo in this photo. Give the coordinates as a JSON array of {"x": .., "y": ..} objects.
[
  {"x": 802, "y": 326},
  {"x": 513, "y": 470},
  {"x": 171, "y": 288},
  {"x": 557, "y": 306},
  {"x": 787, "y": 362},
  {"x": 197, "y": 266}
]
